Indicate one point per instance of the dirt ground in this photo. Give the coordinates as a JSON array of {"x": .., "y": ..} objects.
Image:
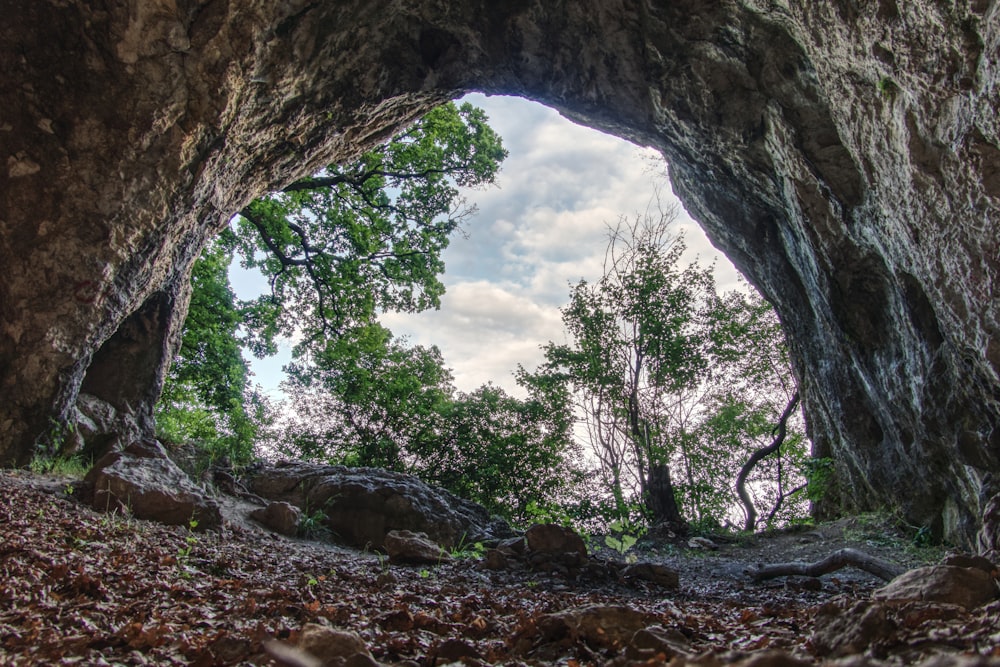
[{"x": 79, "y": 587}]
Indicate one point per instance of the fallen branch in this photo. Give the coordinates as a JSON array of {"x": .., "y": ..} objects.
[{"x": 841, "y": 558}]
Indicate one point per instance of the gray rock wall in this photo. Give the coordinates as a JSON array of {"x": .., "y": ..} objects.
[{"x": 845, "y": 154}]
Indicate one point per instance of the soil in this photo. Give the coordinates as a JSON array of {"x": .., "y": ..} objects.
[{"x": 79, "y": 587}]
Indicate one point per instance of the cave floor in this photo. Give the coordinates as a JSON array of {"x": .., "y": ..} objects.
[{"x": 80, "y": 587}]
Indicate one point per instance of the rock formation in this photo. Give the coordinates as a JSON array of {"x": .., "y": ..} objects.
[
  {"x": 360, "y": 506},
  {"x": 844, "y": 154}
]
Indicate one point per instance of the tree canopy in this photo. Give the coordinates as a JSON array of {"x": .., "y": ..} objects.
[
  {"x": 337, "y": 248},
  {"x": 674, "y": 383},
  {"x": 353, "y": 240}
]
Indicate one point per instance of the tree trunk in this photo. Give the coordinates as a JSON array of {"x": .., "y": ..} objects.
[
  {"x": 741, "y": 480},
  {"x": 660, "y": 498}
]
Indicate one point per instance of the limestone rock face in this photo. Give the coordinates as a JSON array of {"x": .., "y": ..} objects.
[{"x": 845, "y": 155}]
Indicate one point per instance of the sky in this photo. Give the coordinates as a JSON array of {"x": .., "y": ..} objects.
[{"x": 542, "y": 228}]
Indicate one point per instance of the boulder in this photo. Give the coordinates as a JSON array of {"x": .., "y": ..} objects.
[
  {"x": 334, "y": 647},
  {"x": 600, "y": 626},
  {"x": 967, "y": 587},
  {"x": 281, "y": 517},
  {"x": 142, "y": 481},
  {"x": 404, "y": 546},
  {"x": 553, "y": 539},
  {"x": 362, "y": 505},
  {"x": 661, "y": 575},
  {"x": 842, "y": 630},
  {"x": 656, "y": 640}
]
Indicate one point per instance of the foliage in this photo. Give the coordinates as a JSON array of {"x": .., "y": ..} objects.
[
  {"x": 184, "y": 551},
  {"x": 207, "y": 397},
  {"x": 624, "y": 535},
  {"x": 676, "y": 384},
  {"x": 372, "y": 400},
  {"x": 818, "y": 473},
  {"x": 501, "y": 451},
  {"x": 336, "y": 247},
  {"x": 357, "y": 239},
  {"x": 367, "y": 400},
  {"x": 69, "y": 466},
  {"x": 313, "y": 525}
]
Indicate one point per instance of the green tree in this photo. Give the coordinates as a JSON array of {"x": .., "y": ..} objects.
[
  {"x": 354, "y": 240},
  {"x": 207, "y": 397},
  {"x": 372, "y": 400},
  {"x": 751, "y": 389},
  {"x": 368, "y": 400},
  {"x": 637, "y": 350},
  {"x": 337, "y": 248},
  {"x": 506, "y": 453},
  {"x": 676, "y": 385}
]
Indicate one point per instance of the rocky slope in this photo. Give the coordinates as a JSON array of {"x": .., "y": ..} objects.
[{"x": 844, "y": 154}]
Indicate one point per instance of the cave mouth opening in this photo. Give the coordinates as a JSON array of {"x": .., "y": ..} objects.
[{"x": 541, "y": 229}]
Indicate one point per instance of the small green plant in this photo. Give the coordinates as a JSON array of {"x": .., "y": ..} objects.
[
  {"x": 625, "y": 536},
  {"x": 468, "y": 550},
  {"x": 547, "y": 513},
  {"x": 313, "y": 526},
  {"x": 887, "y": 87},
  {"x": 924, "y": 537},
  {"x": 383, "y": 561},
  {"x": 425, "y": 573},
  {"x": 69, "y": 466},
  {"x": 184, "y": 551}
]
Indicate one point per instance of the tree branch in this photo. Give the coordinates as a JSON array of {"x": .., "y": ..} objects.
[
  {"x": 741, "y": 480},
  {"x": 841, "y": 558}
]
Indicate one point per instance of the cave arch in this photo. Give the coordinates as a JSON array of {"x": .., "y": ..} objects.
[{"x": 845, "y": 167}]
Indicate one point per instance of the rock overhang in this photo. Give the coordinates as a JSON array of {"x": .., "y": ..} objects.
[{"x": 844, "y": 156}]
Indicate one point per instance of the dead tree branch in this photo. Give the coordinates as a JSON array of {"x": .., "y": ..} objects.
[{"x": 841, "y": 558}]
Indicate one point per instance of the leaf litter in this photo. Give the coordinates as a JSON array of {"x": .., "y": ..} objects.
[{"x": 79, "y": 587}]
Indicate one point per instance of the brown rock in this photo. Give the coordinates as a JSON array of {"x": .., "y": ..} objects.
[
  {"x": 773, "y": 659},
  {"x": 553, "y": 539},
  {"x": 281, "y": 517},
  {"x": 334, "y": 647},
  {"x": 404, "y": 546},
  {"x": 841, "y": 630},
  {"x": 968, "y": 560},
  {"x": 655, "y": 640},
  {"x": 454, "y": 650},
  {"x": 952, "y": 660},
  {"x": 947, "y": 584},
  {"x": 495, "y": 559},
  {"x": 600, "y": 626},
  {"x": 660, "y": 575},
  {"x": 362, "y": 505},
  {"x": 141, "y": 480}
]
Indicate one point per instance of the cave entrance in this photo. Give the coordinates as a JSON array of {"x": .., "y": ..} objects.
[
  {"x": 543, "y": 228},
  {"x": 541, "y": 231}
]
